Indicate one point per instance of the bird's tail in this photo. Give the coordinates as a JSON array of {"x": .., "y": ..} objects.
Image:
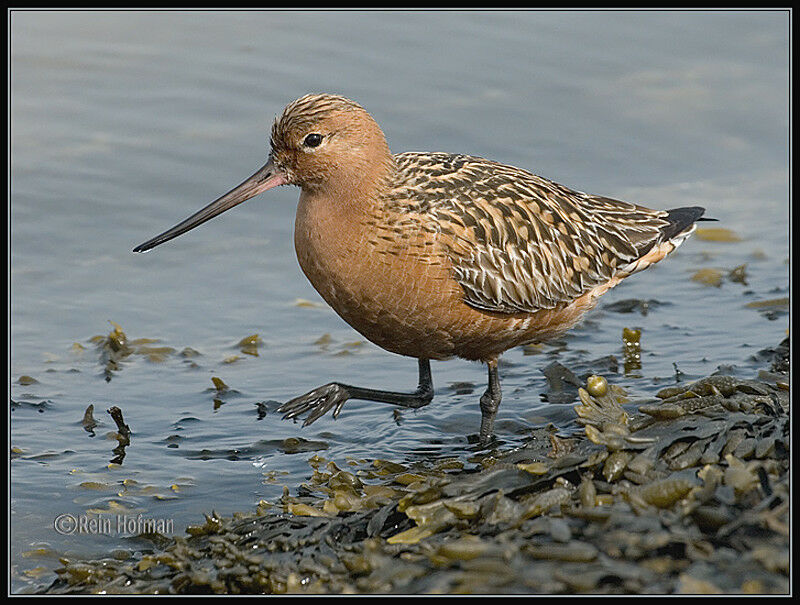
[{"x": 681, "y": 224}]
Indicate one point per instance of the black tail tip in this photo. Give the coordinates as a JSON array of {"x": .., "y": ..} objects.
[
  {"x": 681, "y": 219},
  {"x": 686, "y": 215}
]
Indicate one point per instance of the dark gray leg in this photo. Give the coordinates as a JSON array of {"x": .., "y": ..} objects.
[
  {"x": 335, "y": 394},
  {"x": 490, "y": 401}
]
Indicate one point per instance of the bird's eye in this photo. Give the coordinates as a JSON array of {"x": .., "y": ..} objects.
[{"x": 313, "y": 140}]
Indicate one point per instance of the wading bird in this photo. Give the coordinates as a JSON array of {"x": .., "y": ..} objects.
[{"x": 434, "y": 255}]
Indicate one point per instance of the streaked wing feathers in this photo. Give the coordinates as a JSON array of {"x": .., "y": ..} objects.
[{"x": 519, "y": 242}]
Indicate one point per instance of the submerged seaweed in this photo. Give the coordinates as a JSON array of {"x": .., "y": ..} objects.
[{"x": 115, "y": 347}]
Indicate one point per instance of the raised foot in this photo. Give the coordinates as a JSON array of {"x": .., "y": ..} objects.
[{"x": 318, "y": 402}]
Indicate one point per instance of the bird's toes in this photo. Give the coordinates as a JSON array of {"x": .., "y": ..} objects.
[
  {"x": 333, "y": 398},
  {"x": 317, "y": 402}
]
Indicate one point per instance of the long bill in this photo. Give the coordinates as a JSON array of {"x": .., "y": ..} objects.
[{"x": 265, "y": 178}]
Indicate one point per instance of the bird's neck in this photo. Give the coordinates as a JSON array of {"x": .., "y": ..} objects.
[
  {"x": 354, "y": 191},
  {"x": 334, "y": 224}
]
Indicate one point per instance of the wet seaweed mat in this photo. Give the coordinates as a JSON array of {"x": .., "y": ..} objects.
[{"x": 691, "y": 496}]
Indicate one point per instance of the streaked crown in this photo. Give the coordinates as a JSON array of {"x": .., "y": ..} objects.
[
  {"x": 305, "y": 112},
  {"x": 320, "y": 138}
]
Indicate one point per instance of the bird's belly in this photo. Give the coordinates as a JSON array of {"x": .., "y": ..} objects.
[
  {"x": 392, "y": 300},
  {"x": 403, "y": 297}
]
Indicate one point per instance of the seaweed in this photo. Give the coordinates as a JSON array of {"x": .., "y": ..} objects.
[{"x": 687, "y": 495}]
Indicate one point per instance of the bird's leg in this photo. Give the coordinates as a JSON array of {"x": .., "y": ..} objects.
[
  {"x": 490, "y": 401},
  {"x": 335, "y": 394}
]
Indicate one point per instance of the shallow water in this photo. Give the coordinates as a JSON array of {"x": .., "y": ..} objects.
[{"x": 124, "y": 123}]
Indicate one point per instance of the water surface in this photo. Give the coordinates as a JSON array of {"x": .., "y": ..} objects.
[{"x": 123, "y": 123}]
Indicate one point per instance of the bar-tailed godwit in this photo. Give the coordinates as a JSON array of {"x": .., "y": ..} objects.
[{"x": 434, "y": 255}]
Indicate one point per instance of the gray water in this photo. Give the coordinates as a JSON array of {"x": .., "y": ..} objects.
[{"x": 123, "y": 123}]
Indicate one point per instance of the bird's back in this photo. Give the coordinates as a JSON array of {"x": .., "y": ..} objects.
[{"x": 520, "y": 243}]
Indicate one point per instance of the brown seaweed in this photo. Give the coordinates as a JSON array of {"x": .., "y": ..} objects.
[{"x": 693, "y": 498}]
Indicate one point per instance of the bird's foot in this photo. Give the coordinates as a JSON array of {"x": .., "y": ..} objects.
[
  {"x": 488, "y": 412},
  {"x": 317, "y": 402}
]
